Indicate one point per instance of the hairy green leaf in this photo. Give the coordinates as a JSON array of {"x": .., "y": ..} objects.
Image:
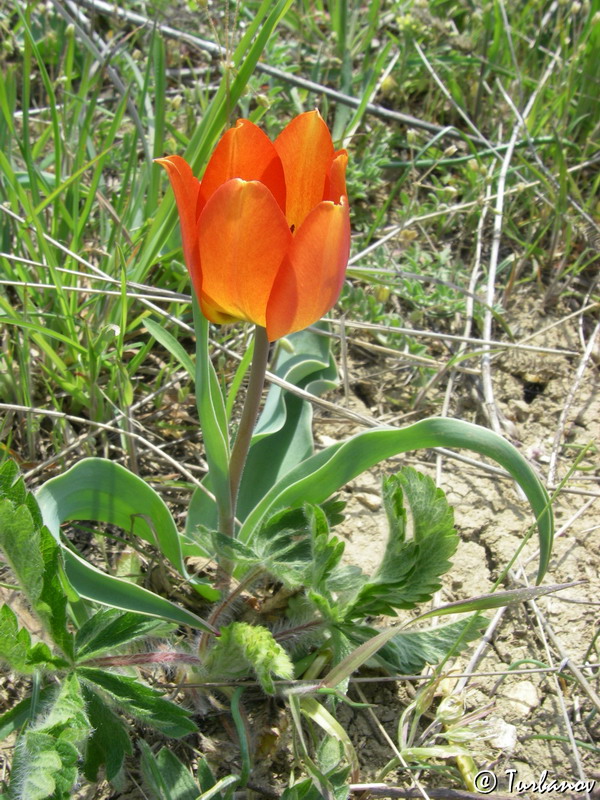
[
  {"x": 47, "y": 753},
  {"x": 416, "y": 555},
  {"x": 109, "y": 742},
  {"x": 409, "y": 651},
  {"x": 242, "y": 648},
  {"x": 34, "y": 558},
  {"x": 15, "y": 645},
  {"x": 109, "y": 629},
  {"x": 139, "y": 701}
]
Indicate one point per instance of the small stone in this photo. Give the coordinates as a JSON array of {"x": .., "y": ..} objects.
[
  {"x": 505, "y": 736},
  {"x": 522, "y": 697},
  {"x": 368, "y": 500},
  {"x": 519, "y": 410}
]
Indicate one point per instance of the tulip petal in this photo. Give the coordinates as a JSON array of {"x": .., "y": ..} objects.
[
  {"x": 335, "y": 183},
  {"x": 311, "y": 277},
  {"x": 244, "y": 238},
  {"x": 245, "y": 152},
  {"x": 186, "y": 189},
  {"x": 306, "y": 152}
]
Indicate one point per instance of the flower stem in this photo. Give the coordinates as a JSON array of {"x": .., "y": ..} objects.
[{"x": 241, "y": 445}]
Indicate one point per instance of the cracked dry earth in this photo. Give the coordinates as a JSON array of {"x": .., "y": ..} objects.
[{"x": 553, "y": 710}]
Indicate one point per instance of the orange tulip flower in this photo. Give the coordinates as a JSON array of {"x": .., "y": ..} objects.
[{"x": 266, "y": 232}]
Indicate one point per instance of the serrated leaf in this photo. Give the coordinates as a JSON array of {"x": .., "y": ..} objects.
[
  {"x": 109, "y": 629},
  {"x": 140, "y": 702},
  {"x": 46, "y": 755},
  {"x": 20, "y": 543},
  {"x": 36, "y": 562},
  {"x": 18, "y": 715},
  {"x": 66, "y": 716},
  {"x": 52, "y": 596},
  {"x": 9, "y": 472},
  {"x": 409, "y": 651},
  {"x": 109, "y": 742},
  {"x": 414, "y": 560},
  {"x": 242, "y": 647},
  {"x": 34, "y": 767},
  {"x": 15, "y": 644},
  {"x": 327, "y": 550},
  {"x": 429, "y": 647}
]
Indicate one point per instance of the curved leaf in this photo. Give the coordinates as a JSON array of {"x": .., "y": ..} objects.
[
  {"x": 103, "y": 491},
  {"x": 283, "y": 434},
  {"x": 100, "y": 490},
  {"x": 318, "y": 477}
]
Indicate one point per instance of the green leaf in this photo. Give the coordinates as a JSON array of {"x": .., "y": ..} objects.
[
  {"x": 409, "y": 651},
  {"x": 370, "y": 647},
  {"x": 213, "y": 418},
  {"x": 99, "y": 489},
  {"x": 166, "y": 776},
  {"x": 109, "y": 629},
  {"x": 327, "y": 550},
  {"x": 15, "y": 644},
  {"x": 319, "y": 714},
  {"x": 46, "y": 754},
  {"x": 323, "y": 474},
  {"x": 34, "y": 558},
  {"x": 66, "y": 716},
  {"x": 170, "y": 343},
  {"x": 20, "y": 542},
  {"x": 109, "y": 742},
  {"x": 242, "y": 647},
  {"x": 414, "y": 560},
  {"x": 282, "y": 437},
  {"x": 93, "y": 584},
  {"x": 21, "y": 713},
  {"x": 140, "y": 701},
  {"x": 35, "y": 765}
]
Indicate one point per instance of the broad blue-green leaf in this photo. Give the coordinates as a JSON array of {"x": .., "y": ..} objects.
[
  {"x": 98, "y": 489},
  {"x": 139, "y": 701},
  {"x": 324, "y": 473},
  {"x": 101, "y": 490},
  {"x": 212, "y": 415},
  {"x": 93, "y": 584},
  {"x": 283, "y": 434}
]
